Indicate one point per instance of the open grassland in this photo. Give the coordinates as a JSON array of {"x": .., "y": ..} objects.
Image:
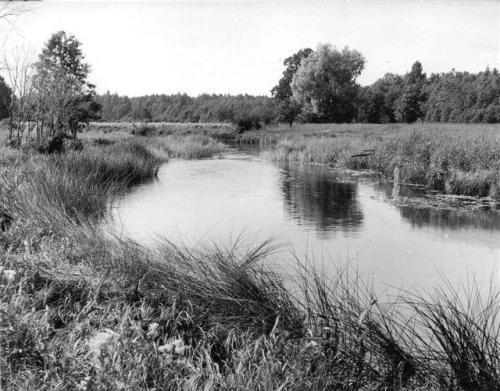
[
  {"x": 454, "y": 158},
  {"x": 83, "y": 310}
]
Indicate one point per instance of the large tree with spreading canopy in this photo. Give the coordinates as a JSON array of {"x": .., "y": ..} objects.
[
  {"x": 288, "y": 108},
  {"x": 325, "y": 84}
]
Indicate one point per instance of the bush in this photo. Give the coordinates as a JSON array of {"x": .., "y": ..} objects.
[
  {"x": 143, "y": 130},
  {"x": 247, "y": 122}
]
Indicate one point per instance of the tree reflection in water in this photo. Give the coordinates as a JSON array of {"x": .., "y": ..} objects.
[
  {"x": 422, "y": 216},
  {"x": 316, "y": 197}
]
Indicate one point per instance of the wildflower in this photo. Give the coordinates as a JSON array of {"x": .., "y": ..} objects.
[
  {"x": 83, "y": 385},
  {"x": 167, "y": 348},
  {"x": 311, "y": 344},
  {"x": 10, "y": 275},
  {"x": 175, "y": 346},
  {"x": 152, "y": 329},
  {"x": 102, "y": 340}
]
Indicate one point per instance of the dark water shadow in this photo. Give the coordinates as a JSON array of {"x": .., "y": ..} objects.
[
  {"x": 418, "y": 215},
  {"x": 316, "y": 197}
]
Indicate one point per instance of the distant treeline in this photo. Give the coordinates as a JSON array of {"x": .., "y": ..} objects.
[
  {"x": 446, "y": 97},
  {"x": 316, "y": 86},
  {"x": 184, "y": 108},
  {"x": 311, "y": 91}
]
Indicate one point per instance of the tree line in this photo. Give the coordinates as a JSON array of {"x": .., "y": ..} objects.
[
  {"x": 184, "y": 108},
  {"x": 52, "y": 96},
  {"x": 320, "y": 86}
]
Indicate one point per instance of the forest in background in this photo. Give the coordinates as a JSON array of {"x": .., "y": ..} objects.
[
  {"x": 447, "y": 97},
  {"x": 317, "y": 86}
]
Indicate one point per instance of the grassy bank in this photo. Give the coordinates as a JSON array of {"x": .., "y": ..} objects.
[
  {"x": 166, "y": 140},
  {"x": 454, "y": 158},
  {"x": 82, "y": 310}
]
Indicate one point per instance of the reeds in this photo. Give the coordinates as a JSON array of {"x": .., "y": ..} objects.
[
  {"x": 195, "y": 146},
  {"x": 460, "y": 160}
]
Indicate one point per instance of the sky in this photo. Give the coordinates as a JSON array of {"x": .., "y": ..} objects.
[{"x": 152, "y": 47}]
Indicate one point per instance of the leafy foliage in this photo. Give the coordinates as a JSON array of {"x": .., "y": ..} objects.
[
  {"x": 65, "y": 97},
  {"x": 445, "y": 97},
  {"x": 288, "y": 108},
  {"x": 320, "y": 86},
  {"x": 183, "y": 108},
  {"x": 325, "y": 84},
  {"x": 5, "y": 99}
]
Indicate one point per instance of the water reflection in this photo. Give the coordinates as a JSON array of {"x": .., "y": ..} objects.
[
  {"x": 316, "y": 197},
  {"x": 315, "y": 213},
  {"x": 421, "y": 216},
  {"x": 450, "y": 219}
]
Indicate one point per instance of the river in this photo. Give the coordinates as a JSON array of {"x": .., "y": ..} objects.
[{"x": 313, "y": 213}]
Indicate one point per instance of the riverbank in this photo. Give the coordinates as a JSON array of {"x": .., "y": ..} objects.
[
  {"x": 456, "y": 159},
  {"x": 453, "y": 158},
  {"x": 82, "y": 310}
]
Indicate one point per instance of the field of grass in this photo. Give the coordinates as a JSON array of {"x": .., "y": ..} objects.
[
  {"x": 454, "y": 158},
  {"x": 82, "y": 310}
]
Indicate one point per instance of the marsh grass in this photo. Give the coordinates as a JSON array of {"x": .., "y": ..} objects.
[
  {"x": 76, "y": 185},
  {"x": 192, "y": 146},
  {"x": 240, "y": 324},
  {"x": 461, "y": 327},
  {"x": 456, "y": 159}
]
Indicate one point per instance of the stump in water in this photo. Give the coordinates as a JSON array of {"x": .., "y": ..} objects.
[{"x": 397, "y": 186}]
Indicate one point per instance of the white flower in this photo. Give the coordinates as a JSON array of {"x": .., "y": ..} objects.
[
  {"x": 180, "y": 350},
  {"x": 10, "y": 275},
  {"x": 102, "y": 340},
  {"x": 167, "y": 348},
  {"x": 311, "y": 344},
  {"x": 174, "y": 346},
  {"x": 153, "y": 327}
]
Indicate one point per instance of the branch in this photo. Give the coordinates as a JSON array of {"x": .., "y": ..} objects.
[{"x": 7, "y": 10}]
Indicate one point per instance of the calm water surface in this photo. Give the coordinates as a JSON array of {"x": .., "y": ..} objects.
[{"x": 316, "y": 213}]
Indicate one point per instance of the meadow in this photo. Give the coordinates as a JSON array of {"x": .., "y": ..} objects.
[{"x": 82, "y": 309}]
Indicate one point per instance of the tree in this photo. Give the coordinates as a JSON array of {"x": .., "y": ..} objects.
[
  {"x": 8, "y": 11},
  {"x": 409, "y": 106},
  {"x": 18, "y": 67},
  {"x": 5, "y": 99},
  {"x": 283, "y": 91},
  {"x": 289, "y": 109},
  {"x": 66, "y": 98},
  {"x": 325, "y": 84}
]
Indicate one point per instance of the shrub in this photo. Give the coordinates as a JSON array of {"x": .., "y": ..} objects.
[{"x": 245, "y": 122}]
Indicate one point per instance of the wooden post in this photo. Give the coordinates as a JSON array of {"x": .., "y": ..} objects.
[{"x": 396, "y": 189}]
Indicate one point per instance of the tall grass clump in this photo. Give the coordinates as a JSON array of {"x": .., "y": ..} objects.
[
  {"x": 366, "y": 343},
  {"x": 460, "y": 327},
  {"x": 76, "y": 185}
]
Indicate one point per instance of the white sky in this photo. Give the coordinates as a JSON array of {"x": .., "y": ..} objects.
[{"x": 138, "y": 48}]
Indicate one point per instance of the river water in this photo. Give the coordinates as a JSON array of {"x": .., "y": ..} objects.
[{"x": 314, "y": 214}]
